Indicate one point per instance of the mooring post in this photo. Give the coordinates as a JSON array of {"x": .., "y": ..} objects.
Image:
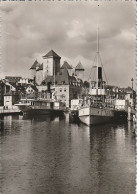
[{"x": 129, "y": 114}]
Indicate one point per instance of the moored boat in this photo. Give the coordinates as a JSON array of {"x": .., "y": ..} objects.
[
  {"x": 93, "y": 115},
  {"x": 41, "y": 106},
  {"x": 95, "y": 110}
]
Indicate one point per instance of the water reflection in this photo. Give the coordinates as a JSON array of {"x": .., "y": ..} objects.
[
  {"x": 47, "y": 117},
  {"x": 113, "y": 143},
  {"x": 43, "y": 154}
]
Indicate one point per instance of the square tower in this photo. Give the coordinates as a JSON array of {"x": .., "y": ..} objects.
[{"x": 51, "y": 64}]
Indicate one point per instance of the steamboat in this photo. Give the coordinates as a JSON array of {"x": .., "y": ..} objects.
[{"x": 95, "y": 110}]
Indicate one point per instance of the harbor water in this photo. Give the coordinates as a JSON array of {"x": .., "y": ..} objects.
[{"x": 47, "y": 155}]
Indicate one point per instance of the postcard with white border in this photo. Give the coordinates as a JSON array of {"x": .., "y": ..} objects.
[{"x": 68, "y": 97}]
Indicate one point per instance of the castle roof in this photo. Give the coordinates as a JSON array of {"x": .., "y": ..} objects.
[
  {"x": 66, "y": 65},
  {"x": 62, "y": 79},
  {"x": 79, "y": 66},
  {"x": 51, "y": 54},
  {"x": 35, "y": 64},
  {"x": 40, "y": 67}
]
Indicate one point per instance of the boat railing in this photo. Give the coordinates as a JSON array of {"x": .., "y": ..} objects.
[{"x": 48, "y": 107}]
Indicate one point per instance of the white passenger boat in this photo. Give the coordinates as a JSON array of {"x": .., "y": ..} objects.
[
  {"x": 93, "y": 115},
  {"x": 95, "y": 110}
]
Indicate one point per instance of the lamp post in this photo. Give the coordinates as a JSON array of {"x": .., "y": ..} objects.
[{"x": 132, "y": 80}]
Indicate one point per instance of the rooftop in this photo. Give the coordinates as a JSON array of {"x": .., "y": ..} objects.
[
  {"x": 35, "y": 64},
  {"x": 79, "y": 66},
  {"x": 51, "y": 54},
  {"x": 33, "y": 87},
  {"x": 13, "y": 78},
  {"x": 62, "y": 79},
  {"x": 40, "y": 67},
  {"x": 66, "y": 65}
]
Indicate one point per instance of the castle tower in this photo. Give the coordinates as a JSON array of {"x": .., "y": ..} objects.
[
  {"x": 51, "y": 64},
  {"x": 33, "y": 69},
  {"x": 39, "y": 74},
  {"x": 68, "y": 67},
  {"x": 79, "y": 71}
]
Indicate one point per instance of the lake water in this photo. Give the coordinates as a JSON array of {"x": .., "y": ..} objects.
[{"x": 43, "y": 155}]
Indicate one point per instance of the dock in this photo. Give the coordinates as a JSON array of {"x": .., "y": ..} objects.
[{"x": 9, "y": 111}]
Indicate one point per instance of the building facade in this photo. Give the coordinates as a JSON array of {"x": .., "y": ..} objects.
[{"x": 66, "y": 87}]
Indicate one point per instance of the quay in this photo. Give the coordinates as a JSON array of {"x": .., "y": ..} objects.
[{"x": 9, "y": 111}]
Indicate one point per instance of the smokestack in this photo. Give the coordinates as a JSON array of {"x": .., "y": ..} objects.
[
  {"x": 100, "y": 73},
  {"x": 48, "y": 86}
]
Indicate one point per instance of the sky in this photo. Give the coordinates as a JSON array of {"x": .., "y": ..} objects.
[{"x": 31, "y": 29}]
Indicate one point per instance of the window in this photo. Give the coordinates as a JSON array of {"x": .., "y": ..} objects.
[
  {"x": 60, "y": 89},
  {"x": 64, "y": 89}
]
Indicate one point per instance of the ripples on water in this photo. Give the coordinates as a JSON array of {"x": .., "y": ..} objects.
[{"x": 53, "y": 156}]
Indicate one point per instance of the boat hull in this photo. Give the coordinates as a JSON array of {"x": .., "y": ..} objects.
[
  {"x": 39, "y": 111},
  {"x": 94, "y": 116}
]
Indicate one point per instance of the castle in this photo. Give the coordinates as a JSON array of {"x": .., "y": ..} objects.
[{"x": 51, "y": 66}]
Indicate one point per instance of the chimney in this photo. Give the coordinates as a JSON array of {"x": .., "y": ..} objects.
[
  {"x": 48, "y": 86},
  {"x": 100, "y": 73}
]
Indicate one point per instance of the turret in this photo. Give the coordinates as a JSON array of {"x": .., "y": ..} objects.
[
  {"x": 33, "y": 69},
  {"x": 79, "y": 71},
  {"x": 68, "y": 67}
]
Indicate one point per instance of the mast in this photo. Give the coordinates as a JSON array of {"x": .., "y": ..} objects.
[
  {"x": 97, "y": 55},
  {"x": 54, "y": 73}
]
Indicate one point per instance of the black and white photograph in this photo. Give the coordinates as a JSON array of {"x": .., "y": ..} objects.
[{"x": 68, "y": 97}]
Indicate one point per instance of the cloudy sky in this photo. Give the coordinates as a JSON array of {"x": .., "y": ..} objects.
[{"x": 31, "y": 29}]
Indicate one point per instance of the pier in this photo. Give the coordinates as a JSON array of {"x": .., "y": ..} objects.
[{"x": 9, "y": 111}]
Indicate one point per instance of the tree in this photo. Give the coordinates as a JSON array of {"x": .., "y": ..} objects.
[{"x": 86, "y": 84}]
